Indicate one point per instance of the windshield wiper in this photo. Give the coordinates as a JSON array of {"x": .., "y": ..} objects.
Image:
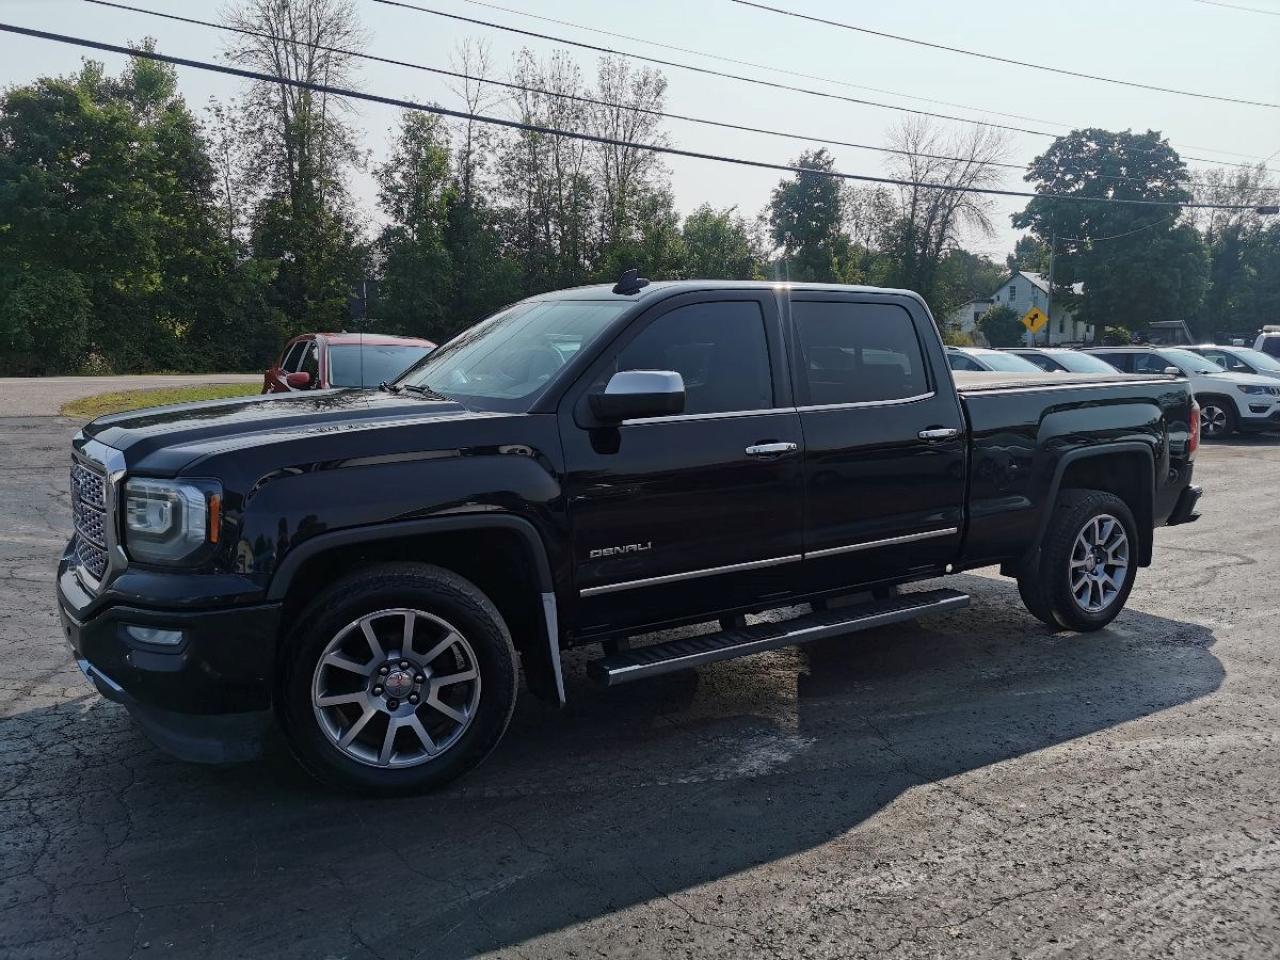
[
  {"x": 424, "y": 391},
  {"x": 389, "y": 388}
]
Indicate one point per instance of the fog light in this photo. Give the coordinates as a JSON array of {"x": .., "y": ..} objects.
[{"x": 153, "y": 635}]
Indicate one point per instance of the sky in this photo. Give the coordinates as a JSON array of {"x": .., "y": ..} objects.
[{"x": 1188, "y": 44}]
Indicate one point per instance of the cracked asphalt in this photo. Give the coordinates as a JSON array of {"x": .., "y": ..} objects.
[{"x": 972, "y": 786}]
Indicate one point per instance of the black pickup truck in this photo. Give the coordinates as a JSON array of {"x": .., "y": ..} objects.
[{"x": 374, "y": 569}]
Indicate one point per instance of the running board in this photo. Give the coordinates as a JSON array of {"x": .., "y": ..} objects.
[{"x": 628, "y": 665}]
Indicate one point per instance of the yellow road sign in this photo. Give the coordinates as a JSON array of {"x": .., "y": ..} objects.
[{"x": 1035, "y": 319}]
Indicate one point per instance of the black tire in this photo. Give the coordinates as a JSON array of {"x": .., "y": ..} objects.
[
  {"x": 1075, "y": 510},
  {"x": 1036, "y": 599},
  {"x": 437, "y": 593},
  {"x": 1218, "y": 418}
]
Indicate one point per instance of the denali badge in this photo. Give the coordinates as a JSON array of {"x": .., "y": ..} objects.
[{"x": 619, "y": 551}]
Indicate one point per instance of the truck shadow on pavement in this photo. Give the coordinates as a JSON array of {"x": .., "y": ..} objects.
[{"x": 627, "y": 796}]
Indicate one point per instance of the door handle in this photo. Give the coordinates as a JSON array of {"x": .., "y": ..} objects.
[
  {"x": 771, "y": 449},
  {"x": 935, "y": 434}
]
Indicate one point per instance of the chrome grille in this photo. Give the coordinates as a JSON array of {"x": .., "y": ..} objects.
[{"x": 89, "y": 517}]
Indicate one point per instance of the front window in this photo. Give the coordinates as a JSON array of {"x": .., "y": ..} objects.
[
  {"x": 504, "y": 361},
  {"x": 1189, "y": 362},
  {"x": 367, "y": 365},
  {"x": 1255, "y": 359}
]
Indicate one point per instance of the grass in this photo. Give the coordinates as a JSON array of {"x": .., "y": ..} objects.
[{"x": 87, "y": 408}]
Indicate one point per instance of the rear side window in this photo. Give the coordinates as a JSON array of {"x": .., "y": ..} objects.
[
  {"x": 1150, "y": 363},
  {"x": 1041, "y": 361},
  {"x": 293, "y": 357},
  {"x": 858, "y": 352},
  {"x": 719, "y": 349},
  {"x": 1270, "y": 346},
  {"x": 959, "y": 361},
  {"x": 1121, "y": 361}
]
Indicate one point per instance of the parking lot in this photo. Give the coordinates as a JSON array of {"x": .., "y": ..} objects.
[{"x": 974, "y": 785}]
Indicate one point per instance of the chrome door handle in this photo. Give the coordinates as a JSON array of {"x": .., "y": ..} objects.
[
  {"x": 939, "y": 433},
  {"x": 771, "y": 449}
]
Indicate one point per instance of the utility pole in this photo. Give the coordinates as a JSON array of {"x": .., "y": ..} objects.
[{"x": 1048, "y": 309}]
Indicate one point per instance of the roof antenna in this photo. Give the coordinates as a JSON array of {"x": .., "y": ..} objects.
[{"x": 630, "y": 282}]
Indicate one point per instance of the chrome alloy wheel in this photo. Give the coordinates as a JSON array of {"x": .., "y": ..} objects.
[
  {"x": 1099, "y": 563},
  {"x": 1213, "y": 420},
  {"x": 396, "y": 688}
]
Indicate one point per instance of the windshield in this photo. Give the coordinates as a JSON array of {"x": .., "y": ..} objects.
[
  {"x": 356, "y": 365},
  {"x": 1007, "y": 363},
  {"x": 505, "y": 360},
  {"x": 1190, "y": 362},
  {"x": 1083, "y": 363},
  {"x": 1257, "y": 359}
]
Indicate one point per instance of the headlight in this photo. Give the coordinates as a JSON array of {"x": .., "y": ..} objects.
[
  {"x": 168, "y": 521},
  {"x": 1255, "y": 388}
]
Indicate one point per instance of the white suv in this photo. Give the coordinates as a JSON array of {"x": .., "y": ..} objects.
[{"x": 1228, "y": 401}]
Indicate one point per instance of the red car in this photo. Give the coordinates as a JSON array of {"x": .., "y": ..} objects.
[{"x": 318, "y": 361}]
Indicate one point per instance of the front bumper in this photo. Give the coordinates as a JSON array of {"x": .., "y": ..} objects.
[
  {"x": 207, "y": 699},
  {"x": 1254, "y": 420}
]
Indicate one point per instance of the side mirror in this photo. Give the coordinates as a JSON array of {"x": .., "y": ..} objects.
[
  {"x": 635, "y": 394},
  {"x": 299, "y": 381},
  {"x": 1172, "y": 372}
]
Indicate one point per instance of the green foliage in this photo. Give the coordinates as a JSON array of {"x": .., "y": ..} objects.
[
  {"x": 1117, "y": 336},
  {"x": 44, "y": 321},
  {"x": 956, "y": 338},
  {"x": 806, "y": 219},
  {"x": 960, "y": 277},
  {"x": 1002, "y": 326},
  {"x": 1138, "y": 265},
  {"x": 717, "y": 246}
]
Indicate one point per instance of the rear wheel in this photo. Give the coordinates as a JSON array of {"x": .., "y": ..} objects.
[
  {"x": 1089, "y": 559},
  {"x": 397, "y": 680},
  {"x": 1217, "y": 418}
]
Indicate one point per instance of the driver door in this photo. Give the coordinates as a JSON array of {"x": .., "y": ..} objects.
[{"x": 675, "y": 516}]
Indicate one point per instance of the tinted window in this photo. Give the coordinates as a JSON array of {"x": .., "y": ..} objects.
[
  {"x": 311, "y": 363},
  {"x": 1041, "y": 361},
  {"x": 718, "y": 348},
  {"x": 959, "y": 361},
  {"x": 1121, "y": 361},
  {"x": 857, "y": 352},
  {"x": 292, "y": 356},
  {"x": 352, "y": 365},
  {"x": 1150, "y": 363},
  {"x": 1229, "y": 361},
  {"x": 1270, "y": 346}
]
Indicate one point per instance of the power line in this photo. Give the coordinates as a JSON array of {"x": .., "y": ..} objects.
[
  {"x": 1117, "y": 236},
  {"x": 1007, "y": 60},
  {"x": 753, "y": 64},
  {"x": 708, "y": 71},
  {"x": 576, "y": 135},
  {"x": 706, "y": 121},
  {"x": 1236, "y": 6},
  {"x": 724, "y": 124},
  {"x": 732, "y": 76}
]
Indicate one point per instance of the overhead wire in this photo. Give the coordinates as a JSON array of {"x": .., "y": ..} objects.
[
  {"x": 1030, "y": 65},
  {"x": 132, "y": 51}
]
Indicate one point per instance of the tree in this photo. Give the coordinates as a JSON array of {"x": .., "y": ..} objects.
[
  {"x": 929, "y": 220},
  {"x": 1029, "y": 255},
  {"x": 1138, "y": 264},
  {"x": 415, "y": 192},
  {"x": 1001, "y": 326},
  {"x": 717, "y": 245},
  {"x": 1234, "y": 239},
  {"x": 302, "y": 145},
  {"x": 806, "y": 219},
  {"x": 963, "y": 276}
]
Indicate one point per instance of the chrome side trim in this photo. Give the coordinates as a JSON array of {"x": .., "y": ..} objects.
[
  {"x": 688, "y": 575},
  {"x": 887, "y": 542},
  {"x": 552, "y": 619},
  {"x": 719, "y": 415},
  {"x": 867, "y": 403}
]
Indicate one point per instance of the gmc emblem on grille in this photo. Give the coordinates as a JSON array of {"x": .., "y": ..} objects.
[{"x": 619, "y": 551}]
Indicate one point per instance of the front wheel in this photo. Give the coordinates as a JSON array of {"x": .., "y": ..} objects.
[
  {"x": 396, "y": 680},
  {"x": 1217, "y": 418},
  {"x": 1089, "y": 559}
]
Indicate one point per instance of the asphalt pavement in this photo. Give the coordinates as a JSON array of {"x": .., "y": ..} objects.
[{"x": 971, "y": 786}]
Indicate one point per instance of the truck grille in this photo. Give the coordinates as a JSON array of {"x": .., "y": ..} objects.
[{"x": 89, "y": 516}]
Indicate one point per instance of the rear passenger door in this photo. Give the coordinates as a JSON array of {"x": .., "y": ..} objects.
[{"x": 885, "y": 447}]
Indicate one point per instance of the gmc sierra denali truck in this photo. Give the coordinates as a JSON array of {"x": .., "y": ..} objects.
[{"x": 376, "y": 569}]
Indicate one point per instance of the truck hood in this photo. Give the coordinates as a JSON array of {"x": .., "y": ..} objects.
[{"x": 168, "y": 438}]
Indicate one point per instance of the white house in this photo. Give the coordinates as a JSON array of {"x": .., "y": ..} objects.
[{"x": 1022, "y": 291}]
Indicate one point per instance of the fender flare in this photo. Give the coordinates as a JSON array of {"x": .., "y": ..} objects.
[
  {"x": 1032, "y": 555},
  {"x": 294, "y": 560}
]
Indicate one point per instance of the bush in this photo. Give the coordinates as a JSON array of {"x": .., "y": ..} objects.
[
  {"x": 956, "y": 338},
  {"x": 1002, "y": 327},
  {"x": 1116, "y": 336}
]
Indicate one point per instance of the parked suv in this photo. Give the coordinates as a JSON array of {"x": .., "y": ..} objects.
[
  {"x": 1228, "y": 401},
  {"x": 321, "y": 361},
  {"x": 1240, "y": 360},
  {"x": 1268, "y": 341},
  {"x": 1063, "y": 360},
  {"x": 377, "y": 569}
]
